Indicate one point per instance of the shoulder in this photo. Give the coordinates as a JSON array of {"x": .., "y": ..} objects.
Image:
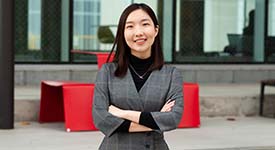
[
  {"x": 169, "y": 69},
  {"x": 105, "y": 72},
  {"x": 108, "y": 67},
  {"x": 173, "y": 73}
]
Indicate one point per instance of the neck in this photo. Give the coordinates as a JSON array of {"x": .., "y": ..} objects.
[
  {"x": 141, "y": 55},
  {"x": 139, "y": 62}
]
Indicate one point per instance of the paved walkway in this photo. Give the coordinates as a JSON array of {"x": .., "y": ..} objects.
[{"x": 249, "y": 133}]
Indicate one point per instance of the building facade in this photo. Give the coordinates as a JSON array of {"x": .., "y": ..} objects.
[{"x": 210, "y": 40}]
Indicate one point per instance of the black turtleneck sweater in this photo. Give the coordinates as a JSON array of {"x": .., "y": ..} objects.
[{"x": 139, "y": 67}]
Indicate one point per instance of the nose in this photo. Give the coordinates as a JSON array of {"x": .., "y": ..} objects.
[{"x": 138, "y": 32}]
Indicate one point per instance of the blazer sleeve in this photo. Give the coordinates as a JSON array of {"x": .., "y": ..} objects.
[
  {"x": 103, "y": 120},
  {"x": 169, "y": 120}
]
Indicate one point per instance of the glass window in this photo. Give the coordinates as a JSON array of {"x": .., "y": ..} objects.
[
  {"x": 270, "y": 40},
  {"x": 86, "y": 21},
  {"x": 205, "y": 31},
  {"x": 34, "y": 25},
  {"x": 95, "y": 24},
  {"x": 214, "y": 31}
]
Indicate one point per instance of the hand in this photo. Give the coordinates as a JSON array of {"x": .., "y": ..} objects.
[
  {"x": 168, "y": 106},
  {"x": 125, "y": 114},
  {"x": 116, "y": 111}
]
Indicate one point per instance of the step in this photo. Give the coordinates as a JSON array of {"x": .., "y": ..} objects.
[
  {"x": 216, "y": 100},
  {"x": 27, "y": 74}
]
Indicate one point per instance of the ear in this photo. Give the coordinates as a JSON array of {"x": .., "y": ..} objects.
[{"x": 157, "y": 30}]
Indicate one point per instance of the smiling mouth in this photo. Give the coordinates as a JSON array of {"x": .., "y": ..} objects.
[{"x": 140, "y": 40}]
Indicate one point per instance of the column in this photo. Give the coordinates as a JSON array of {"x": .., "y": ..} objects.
[{"x": 6, "y": 64}]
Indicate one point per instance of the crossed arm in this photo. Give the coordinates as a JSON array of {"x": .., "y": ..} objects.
[
  {"x": 134, "y": 116},
  {"x": 108, "y": 118}
]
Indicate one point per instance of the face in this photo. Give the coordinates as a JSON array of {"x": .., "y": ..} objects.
[{"x": 140, "y": 33}]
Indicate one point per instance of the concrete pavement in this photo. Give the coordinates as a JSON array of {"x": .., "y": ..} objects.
[{"x": 218, "y": 133}]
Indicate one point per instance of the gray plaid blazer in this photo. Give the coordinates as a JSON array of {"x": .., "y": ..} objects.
[{"x": 161, "y": 85}]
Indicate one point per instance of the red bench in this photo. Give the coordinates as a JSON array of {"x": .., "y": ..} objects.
[
  {"x": 191, "y": 110},
  {"x": 71, "y": 102}
]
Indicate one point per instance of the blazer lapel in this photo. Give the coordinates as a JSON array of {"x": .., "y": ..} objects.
[{"x": 153, "y": 92}]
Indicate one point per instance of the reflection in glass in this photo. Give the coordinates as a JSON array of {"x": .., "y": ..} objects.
[{"x": 214, "y": 31}]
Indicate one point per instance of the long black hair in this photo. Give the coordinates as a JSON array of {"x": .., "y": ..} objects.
[{"x": 123, "y": 51}]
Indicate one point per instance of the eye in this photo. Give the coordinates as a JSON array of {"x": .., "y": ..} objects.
[
  {"x": 146, "y": 24},
  {"x": 129, "y": 26}
]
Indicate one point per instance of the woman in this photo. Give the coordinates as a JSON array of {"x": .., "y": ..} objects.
[{"x": 137, "y": 97}]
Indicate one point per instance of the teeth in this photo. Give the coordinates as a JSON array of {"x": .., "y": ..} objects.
[{"x": 141, "y": 40}]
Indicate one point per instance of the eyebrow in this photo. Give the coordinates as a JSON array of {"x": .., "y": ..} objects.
[{"x": 129, "y": 22}]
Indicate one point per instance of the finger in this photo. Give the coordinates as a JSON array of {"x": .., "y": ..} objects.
[
  {"x": 173, "y": 101},
  {"x": 166, "y": 110},
  {"x": 171, "y": 104},
  {"x": 168, "y": 101},
  {"x": 168, "y": 106}
]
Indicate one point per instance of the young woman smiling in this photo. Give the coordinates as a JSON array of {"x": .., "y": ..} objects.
[{"x": 137, "y": 97}]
